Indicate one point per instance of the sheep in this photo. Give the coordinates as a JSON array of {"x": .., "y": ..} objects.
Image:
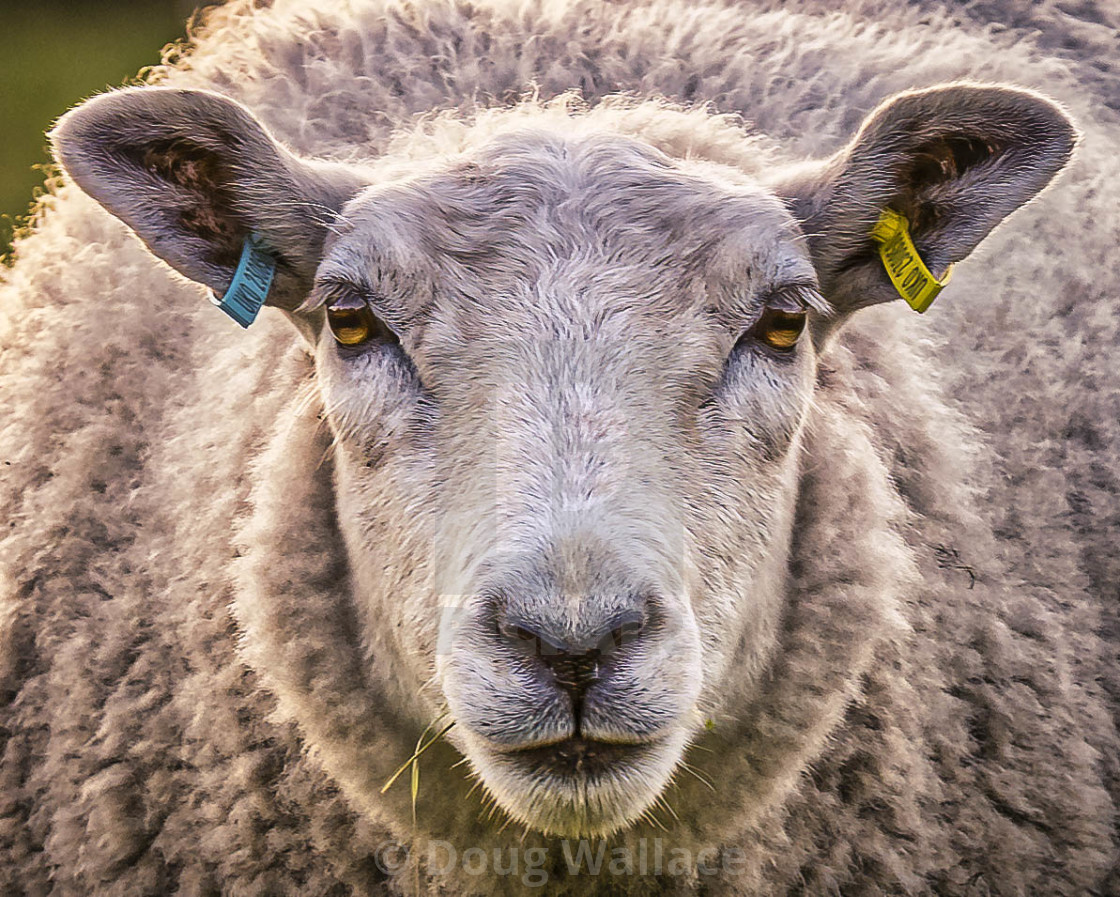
[{"x": 586, "y": 440}]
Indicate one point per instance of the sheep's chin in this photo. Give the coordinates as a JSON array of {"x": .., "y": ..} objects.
[{"x": 588, "y": 804}]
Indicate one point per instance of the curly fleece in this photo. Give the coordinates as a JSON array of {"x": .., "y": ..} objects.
[{"x": 146, "y": 445}]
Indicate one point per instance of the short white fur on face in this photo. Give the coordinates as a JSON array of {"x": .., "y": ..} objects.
[{"x": 570, "y": 426}]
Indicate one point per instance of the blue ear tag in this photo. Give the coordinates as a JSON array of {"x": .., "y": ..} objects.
[{"x": 251, "y": 281}]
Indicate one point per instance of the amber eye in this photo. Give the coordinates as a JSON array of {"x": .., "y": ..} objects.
[
  {"x": 354, "y": 325},
  {"x": 779, "y": 329}
]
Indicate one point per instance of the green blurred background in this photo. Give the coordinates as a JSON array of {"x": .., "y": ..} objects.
[{"x": 54, "y": 53}]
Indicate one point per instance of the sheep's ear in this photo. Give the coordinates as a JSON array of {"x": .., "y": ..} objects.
[
  {"x": 954, "y": 160},
  {"x": 193, "y": 174}
]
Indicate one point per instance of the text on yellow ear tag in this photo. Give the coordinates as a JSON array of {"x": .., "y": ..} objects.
[{"x": 913, "y": 280}]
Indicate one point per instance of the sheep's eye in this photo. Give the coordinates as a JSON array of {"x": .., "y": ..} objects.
[
  {"x": 779, "y": 329},
  {"x": 355, "y": 325}
]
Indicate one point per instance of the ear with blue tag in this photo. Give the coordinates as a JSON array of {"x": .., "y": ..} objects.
[
  {"x": 209, "y": 190},
  {"x": 929, "y": 174}
]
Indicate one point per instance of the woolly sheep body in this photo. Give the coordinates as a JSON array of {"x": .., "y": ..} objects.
[{"x": 162, "y": 465}]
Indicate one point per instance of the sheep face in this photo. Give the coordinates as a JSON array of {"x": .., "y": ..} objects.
[
  {"x": 585, "y": 436},
  {"x": 566, "y": 380}
]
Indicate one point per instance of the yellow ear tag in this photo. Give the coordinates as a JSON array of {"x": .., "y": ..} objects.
[{"x": 913, "y": 280}]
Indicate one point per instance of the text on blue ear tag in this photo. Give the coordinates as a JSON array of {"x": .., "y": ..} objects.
[{"x": 251, "y": 282}]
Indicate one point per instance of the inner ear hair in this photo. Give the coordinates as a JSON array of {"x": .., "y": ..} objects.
[
  {"x": 201, "y": 182},
  {"x": 937, "y": 162}
]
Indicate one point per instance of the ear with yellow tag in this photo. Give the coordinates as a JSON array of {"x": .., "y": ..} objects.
[{"x": 929, "y": 174}]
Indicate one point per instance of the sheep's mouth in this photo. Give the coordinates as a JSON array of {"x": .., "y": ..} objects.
[
  {"x": 579, "y": 758},
  {"x": 577, "y": 786}
]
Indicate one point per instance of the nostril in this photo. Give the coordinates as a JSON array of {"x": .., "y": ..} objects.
[
  {"x": 521, "y": 634},
  {"x": 529, "y": 641},
  {"x": 625, "y": 632},
  {"x": 580, "y": 657}
]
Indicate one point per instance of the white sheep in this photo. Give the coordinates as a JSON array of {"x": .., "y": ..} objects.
[{"x": 586, "y": 461}]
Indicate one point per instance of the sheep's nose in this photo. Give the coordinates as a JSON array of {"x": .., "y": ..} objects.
[{"x": 575, "y": 662}]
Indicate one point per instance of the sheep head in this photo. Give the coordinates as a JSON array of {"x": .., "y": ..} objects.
[{"x": 567, "y": 378}]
